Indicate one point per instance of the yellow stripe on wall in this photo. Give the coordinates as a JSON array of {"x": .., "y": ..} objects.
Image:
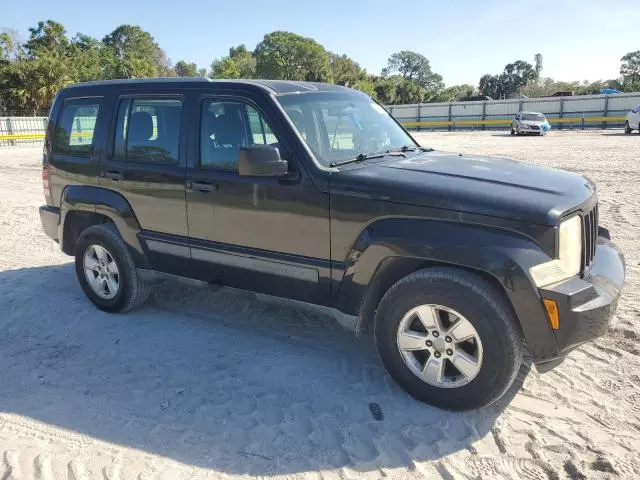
[{"x": 507, "y": 121}]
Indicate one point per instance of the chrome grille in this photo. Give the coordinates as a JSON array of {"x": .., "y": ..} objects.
[{"x": 589, "y": 237}]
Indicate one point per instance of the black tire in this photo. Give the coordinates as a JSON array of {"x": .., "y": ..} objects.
[
  {"x": 513, "y": 132},
  {"x": 133, "y": 291},
  {"x": 627, "y": 128},
  {"x": 482, "y": 305}
]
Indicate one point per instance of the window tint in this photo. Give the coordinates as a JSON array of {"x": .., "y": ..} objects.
[
  {"x": 225, "y": 128},
  {"x": 75, "y": 129},
  {"x": 148, "y": 130}
]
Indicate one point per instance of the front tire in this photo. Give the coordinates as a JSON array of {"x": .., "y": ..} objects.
[
  {"x": 106, "y": 270},
  {"x": 627, "y": 128},
  {"x": 449, "y": 338}
]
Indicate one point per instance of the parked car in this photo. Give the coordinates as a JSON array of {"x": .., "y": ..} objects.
[
  {"x": 529, "y": 123},
  {"x": 633, "y": 120},
  {"x": 314, "y": 192}
]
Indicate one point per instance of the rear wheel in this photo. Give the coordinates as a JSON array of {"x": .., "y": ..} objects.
[
  {"x": 448, "y": 338},
  {"x": 627, "y": 127},
  {"x": 106, "y": 271}
]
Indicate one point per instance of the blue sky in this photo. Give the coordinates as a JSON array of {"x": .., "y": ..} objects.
[{"x": 579, "y": 39}]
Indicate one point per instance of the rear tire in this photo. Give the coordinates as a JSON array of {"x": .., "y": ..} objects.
[
  {"x": 627, "y": 128},
  {"x": 461, "y": 295},
  {"x": 121, "y": 292}
]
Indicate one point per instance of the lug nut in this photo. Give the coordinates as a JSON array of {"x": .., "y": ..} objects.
[
  {"x": 436, "y": 354},
  {"x": 436, "y": 333},
  {"x": 429, "y": 343},
  {"x": 449, "y": 352},
  {"x": 447, "y": 339}
]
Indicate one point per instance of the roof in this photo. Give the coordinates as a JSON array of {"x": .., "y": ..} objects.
[{"x": 274, "y": 86}]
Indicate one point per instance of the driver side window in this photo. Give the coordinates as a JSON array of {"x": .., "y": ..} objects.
[{"x": 225, "y": 128}]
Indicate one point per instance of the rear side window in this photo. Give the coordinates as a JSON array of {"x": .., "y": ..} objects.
[
  {"x": 74, "y": 132},
  {"x": 148, "y": 130}
]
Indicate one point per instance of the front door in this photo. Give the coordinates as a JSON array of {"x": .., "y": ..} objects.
[
  {"x": 265, "y": 234},
  {"x": 146, "y": 164}
]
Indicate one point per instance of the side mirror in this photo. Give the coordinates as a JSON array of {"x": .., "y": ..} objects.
[{"x": 261, "y": 161}]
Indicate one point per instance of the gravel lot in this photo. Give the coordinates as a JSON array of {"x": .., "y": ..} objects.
[{"x": 206, "y": 383}]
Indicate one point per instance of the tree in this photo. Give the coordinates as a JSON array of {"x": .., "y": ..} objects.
[
  {"x": 10, "y": 48},
  {"x": 86, "y": 55},
  {"x": 630, "y": 68},
  {"x": 515, "y": 76},
  {"x": 455, "y": 93},
  {"x": 344, "y": 70},
  {"x": 131, "y": 53},
  {"x": 47, "y": 38},
  {"x": 537, "y": 59},
  {"x": 224, "y": 68},
  {"x": 33, "y": 82},
  {"x": 184, "y": 69},
  {"x": 244, "y": 60},
  {"x": 288, "y": 56},
  {"x": 414, "y": 67}
]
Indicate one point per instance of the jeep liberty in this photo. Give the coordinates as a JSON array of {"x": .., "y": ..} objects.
[{"x": 457, "y": 263}]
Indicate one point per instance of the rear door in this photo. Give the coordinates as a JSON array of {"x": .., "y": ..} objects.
[{"x": 145, "y": 162}]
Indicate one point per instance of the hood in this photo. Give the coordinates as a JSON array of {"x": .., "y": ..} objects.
[{"x": 497, "y": 187}]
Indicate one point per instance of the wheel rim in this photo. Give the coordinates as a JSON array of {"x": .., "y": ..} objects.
[
  {"x": 101, "y": 271},
  {"x": 440, "y": 346}
]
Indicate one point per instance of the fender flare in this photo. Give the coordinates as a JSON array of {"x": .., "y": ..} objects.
[
  {"x": 388, "y": 249},
  {"x": 111, "y": 204}
]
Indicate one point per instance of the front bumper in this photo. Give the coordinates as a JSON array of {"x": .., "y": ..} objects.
[
  {"x": 586, "y": 305},
  {"x": 50, "y": 218}
]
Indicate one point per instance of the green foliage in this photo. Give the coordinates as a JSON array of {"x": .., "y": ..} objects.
[
  {"x": 131, "y": 53},
  {"x": 289, "y": 56},
  {"x": 239, "y": 64},
  {"x": 184, "y": 69},
  {"x": 415, "y": 68},
  {"x": 345, "y": 71},
  {"x": 455, "y": 93},
  {"x": 515, "y": 76},
  {"x": 630, "y": 68}
]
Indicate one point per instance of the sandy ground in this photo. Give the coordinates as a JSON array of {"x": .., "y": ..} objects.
[{"x": 206, "y": 383}]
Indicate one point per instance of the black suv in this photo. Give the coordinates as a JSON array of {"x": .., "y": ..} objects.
[{"x": 314, "y": 192}]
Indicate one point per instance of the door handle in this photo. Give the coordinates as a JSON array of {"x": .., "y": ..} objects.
[
  {"x": 204, "y": 187},
  {"x": 113, "y": 175}
]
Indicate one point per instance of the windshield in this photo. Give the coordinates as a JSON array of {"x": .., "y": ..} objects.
[
  {"x": 536, "y": 117},
  {"x": 339, "y": 126}
]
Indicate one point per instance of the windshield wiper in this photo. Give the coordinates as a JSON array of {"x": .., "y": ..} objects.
[
  {"x": 412, "y": 148},
  {"x": 367, "y": 156}
]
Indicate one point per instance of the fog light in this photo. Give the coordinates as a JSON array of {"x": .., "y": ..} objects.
[{"x": 552, "y": 313}]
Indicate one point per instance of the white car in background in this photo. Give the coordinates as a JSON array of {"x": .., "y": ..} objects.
[
  {"x": 633, "y": 120},
  {"x": 530, "y": 122}
]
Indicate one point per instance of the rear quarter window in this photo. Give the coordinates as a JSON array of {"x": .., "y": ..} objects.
[{"x": 74, "y": 131}]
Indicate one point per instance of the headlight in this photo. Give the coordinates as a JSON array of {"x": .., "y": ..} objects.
[
  {"x": 524, "y": 125},
  {"x": 568, "y": 262}
]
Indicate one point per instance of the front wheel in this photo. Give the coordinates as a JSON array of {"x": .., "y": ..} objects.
[
  {"x": 627, "y": 128},
  {"x": 106, "y": 271},
  {"x": 449, "y": 338}
]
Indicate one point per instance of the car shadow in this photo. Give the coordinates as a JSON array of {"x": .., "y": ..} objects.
[{"x": 215, "y": 378}]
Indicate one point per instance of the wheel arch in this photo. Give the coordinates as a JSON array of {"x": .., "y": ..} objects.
[
  {"x": 82, "y": 206},
  {"x": 394, "y": 248}
]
